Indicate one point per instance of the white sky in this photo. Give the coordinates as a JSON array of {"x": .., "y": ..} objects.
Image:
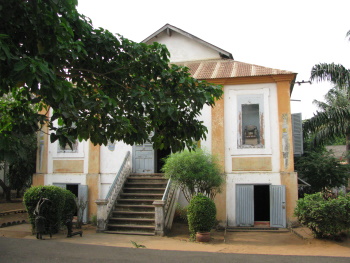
[{"x": 291, "y": 35}]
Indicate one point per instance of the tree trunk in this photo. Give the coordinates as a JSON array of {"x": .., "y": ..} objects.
[{"x": 7, "y": 190}]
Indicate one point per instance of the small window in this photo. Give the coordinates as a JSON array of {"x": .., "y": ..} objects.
[
  {"x": 67, "y": 148},
  {"x": 250, "y": 124},
  {"x": 251, "y": 121}
]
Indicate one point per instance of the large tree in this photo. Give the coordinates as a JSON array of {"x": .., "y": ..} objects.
[
  {"x": 333, "y": 119},
  {"x": 322, "y": 170},
  {"x": 99, "y": 86}
]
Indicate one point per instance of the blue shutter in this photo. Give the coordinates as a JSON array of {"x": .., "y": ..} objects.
[
  {"x": 277, "y": 206},
  {"x": 245, "y": 205},
  {"x": 297, "y": 125},
  {"x": 83, "y": 197},
  {"x": 143, "y": 158}
]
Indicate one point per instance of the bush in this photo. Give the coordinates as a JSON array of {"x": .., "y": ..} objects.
[
  {"x": 324, "y": 216},
  {"x": 201, "y": 214},
  {"x": 180, "y": 215},
  {"x": 321, "y": 170},
  {"x": 70, "y": 205},
  {"x": 56, "y": 213},
  {"x": 195, "y": 172}
]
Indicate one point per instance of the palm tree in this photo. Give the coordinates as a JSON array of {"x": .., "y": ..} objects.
[{"x": 333, "y": 119}]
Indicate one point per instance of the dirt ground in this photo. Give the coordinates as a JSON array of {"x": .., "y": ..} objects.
[
  {"x": 284, "y": 243},
  {"x": 16, "y": 204}
]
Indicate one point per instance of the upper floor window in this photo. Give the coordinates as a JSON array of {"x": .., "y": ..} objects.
[
  {"x": 67, "y": 148},
  {"x": 251, "y": 121}
]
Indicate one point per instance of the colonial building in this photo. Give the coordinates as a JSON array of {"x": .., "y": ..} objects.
[{"x": 250, "y": 129}]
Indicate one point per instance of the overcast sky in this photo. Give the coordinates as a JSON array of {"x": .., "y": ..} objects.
[{"x": 290, "y": 35}]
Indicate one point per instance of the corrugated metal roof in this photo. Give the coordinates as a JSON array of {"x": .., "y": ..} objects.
[{"x": 228, "y": 68}]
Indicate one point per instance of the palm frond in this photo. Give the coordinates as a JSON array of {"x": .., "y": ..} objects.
[{"x": 335, "y": 73}]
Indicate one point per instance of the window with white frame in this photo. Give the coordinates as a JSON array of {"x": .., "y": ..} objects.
[
  {"x": 250, "y": 121},
  {"x": 67, "y": 148}
]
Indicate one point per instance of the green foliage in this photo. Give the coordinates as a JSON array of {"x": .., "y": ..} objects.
[
  {"x": 94, "y": 220},
  {"x": 180, "y": 214},
  {"x": 111, "y": 88},
  {"x": 70, "y": 206},
  {"x": 201, "y": 214},
  {"x": 331, "y": 123},
  {"x": 62, "y": 204},
  {"x": 332, "y": 120},
  {"x": 195, "y": 172},
  {"x": 22, "y": 165},
  {"x": 322, "y": 170},
  {"x": 325, "y": 217}
]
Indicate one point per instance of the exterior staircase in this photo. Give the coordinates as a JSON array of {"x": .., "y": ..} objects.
[{"x": 133, "y": 211}]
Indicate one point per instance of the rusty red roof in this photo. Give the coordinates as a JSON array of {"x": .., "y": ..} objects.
[{"x": 228, "y": 68}]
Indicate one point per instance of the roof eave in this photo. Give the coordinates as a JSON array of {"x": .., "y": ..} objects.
[{"x": 168, "y": 27}]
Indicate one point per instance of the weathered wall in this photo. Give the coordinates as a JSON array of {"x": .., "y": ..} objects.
[
  {"x": 93, "y": 183},
  {"x": 290, "y": 180},
  {"x": 184, "y": 49},
  {"x": 68, "y": 166},
  {"x": 218, "y": 149}
]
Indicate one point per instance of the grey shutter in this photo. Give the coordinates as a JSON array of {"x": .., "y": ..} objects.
[
  {"x": 143, "y": 158},
  {"x": 83, "y": 197},
  {"x": 297, "y": 125},
  {"x": 245, "y": 205},
  {"x": 277, "y": 206}
]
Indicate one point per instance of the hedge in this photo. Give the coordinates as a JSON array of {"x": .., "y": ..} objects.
[
  {"x": 324, "y": 216},
  {"x": 62, "y": 205}
]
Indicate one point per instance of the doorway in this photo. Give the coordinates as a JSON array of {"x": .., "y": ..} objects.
[
  {"x": 159, "y": 158},
  {"x": 261, "y": 203},
  {"x": 147, "y": 160}
]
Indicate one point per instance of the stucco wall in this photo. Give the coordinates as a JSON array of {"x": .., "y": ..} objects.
[
  {"x": 245, "y": 178},
  {"x": 184, "y": 49}
]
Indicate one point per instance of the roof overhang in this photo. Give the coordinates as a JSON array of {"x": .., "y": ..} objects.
[{"x": 169, "y": 28}]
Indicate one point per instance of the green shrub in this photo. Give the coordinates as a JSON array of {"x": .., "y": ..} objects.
[
  {"x": 325, "y": 217},
  {"x": 94, "y": 220},
  {"x": 194, "y": 172},
  {"x": 201, "y": 214},
  {"x": 61, "y": 204},
  {"x": 180, "y": 215},
  {"x": 70, "y": 206}
]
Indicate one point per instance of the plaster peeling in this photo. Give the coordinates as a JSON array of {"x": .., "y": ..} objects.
[{"x": 285, "y": 141}]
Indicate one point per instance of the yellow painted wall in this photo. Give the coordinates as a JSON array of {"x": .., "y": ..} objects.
[
  {"x": 288, "y": 177},
  {"x": 93, "y": 182},
  {"x": 285, "y": 126},
  {"x": 68, "y": 166},
  {"x": 251, "y": 164},
  {"x": 38, "y": 179},
  {"x": 94, "y": 158},
  {"x": 290, "y": 180},
  {"x": 218, "y": 149}
]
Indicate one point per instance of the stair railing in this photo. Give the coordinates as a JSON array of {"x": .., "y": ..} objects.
[
  {"x": 105, "y": 206},
  {"x": 165, "y": 208}
]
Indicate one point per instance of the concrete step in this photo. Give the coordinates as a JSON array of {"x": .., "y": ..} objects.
[
  {"x": 156, "y": 196},
  {"x": 146, "y": 175},
  {"x": 136, "y": 208},
  {"x": 133, "y": 214},
  {"x": 257, "y": 229},
  {"x": 133, "y": 221},
  {"x": 131, "y": 228},
  {"x": 145, "y": 183},
  {"x": 121, "y": 232},
  {"x": 136, "y": 201}
]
